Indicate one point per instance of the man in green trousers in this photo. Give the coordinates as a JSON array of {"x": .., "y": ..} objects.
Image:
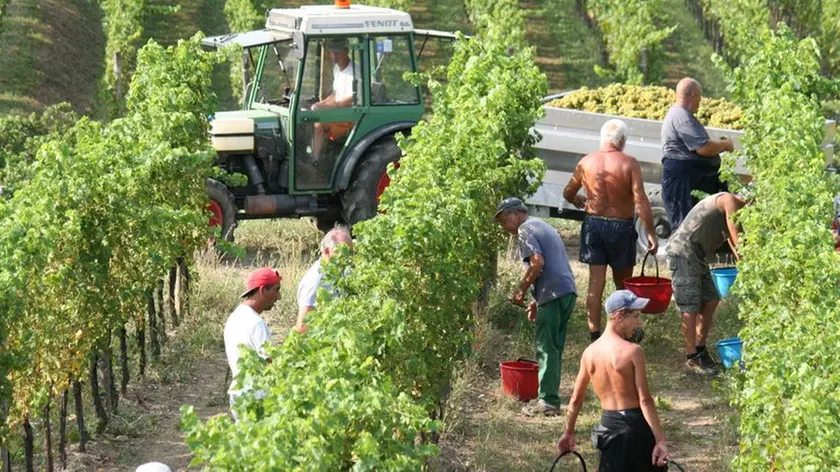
[{"x": 549, "y": 275}]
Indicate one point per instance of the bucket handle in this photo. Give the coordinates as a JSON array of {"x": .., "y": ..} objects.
[
  {"x": 675, "y": 464},
  {"x": 580, "y": 458},
  {"x": 644, "y": 262},
  {"x": 527, "y": 361}
]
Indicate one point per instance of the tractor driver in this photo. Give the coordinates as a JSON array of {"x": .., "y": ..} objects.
[{"x": 344, "y": 73}]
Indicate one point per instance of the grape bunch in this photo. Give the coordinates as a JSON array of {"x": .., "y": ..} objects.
[{"x": 649, "y": 102}]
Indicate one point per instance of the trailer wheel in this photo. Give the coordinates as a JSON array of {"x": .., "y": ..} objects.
[
  {"x": 661, "y": 226},
  {"x": 223, "y": 208},
  {"x": 361, "y": 199}
]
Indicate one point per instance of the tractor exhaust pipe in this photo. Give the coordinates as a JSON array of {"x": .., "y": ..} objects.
[
  {"x": 254, "y": 174},
  {"x": 276, "y": 205}
]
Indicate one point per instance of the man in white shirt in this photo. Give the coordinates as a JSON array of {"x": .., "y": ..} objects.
[
  {"x": 345, "y": 72},
  {"x": 311, "y": 281},
  {"x": 245, "y": 327}
]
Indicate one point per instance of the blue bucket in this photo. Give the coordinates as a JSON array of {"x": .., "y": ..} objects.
[
  {"x": 723, "y": 279},
  {"x": 729, "y": 351}
]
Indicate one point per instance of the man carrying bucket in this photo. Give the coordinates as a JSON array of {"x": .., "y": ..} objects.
[
  {"x": 550, "y": 276},
  {"x": 692, "y": 247},
  {"x": 614, "y": 190},
  {"x": 630, "y": 435}
]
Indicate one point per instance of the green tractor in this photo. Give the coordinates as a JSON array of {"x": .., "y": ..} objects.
[{"x": 321, "y": 110}]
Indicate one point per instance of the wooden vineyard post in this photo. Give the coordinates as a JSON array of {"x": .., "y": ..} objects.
[
  {"x": 29, "y": 445},
  {"x": 5, "y": 456},
  {"x": 101, "y": 414},
  {"x": 153, "y": 326},
  {"x": 80, "y": 415},
  {"x": 173, "y": 281},
  {"x": 141, "y": 343},
  {"x": 109, "y": 386},
  {"x": 48, "y": 436},
  {"x": 183, "y": 289},
  {"x": 62, "y": 430},
  {"x": 124, "y": 376},
  {"x": 160, "y": 312}
]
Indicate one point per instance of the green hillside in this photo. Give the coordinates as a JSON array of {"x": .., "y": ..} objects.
[
  {"x": 51, "y": 52},
  {"x": 53, "y": 49}
]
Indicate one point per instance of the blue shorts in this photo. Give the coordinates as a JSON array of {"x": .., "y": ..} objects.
[
  {"x": 679, "y": 179},
  {"x": 608, "y": 241}
]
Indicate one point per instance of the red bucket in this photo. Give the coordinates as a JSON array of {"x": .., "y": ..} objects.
[
  {"x": 520, "y": 378},
  {"x": 657, "y": 289}
]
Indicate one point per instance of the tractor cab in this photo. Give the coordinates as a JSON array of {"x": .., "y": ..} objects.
[{"x": 325, "y": 94}]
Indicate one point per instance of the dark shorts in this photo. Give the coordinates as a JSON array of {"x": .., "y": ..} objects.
[
  {"x": 608, "y": 241},
  {"x": 625, "y": 442},
  {"x": 692, "y": 283}
]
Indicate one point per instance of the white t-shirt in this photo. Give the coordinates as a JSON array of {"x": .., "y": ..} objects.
[
  {"x": 343, "y": 80},
  {"x": 308, "y": 287},
  {"x": 244, "y": 327}
]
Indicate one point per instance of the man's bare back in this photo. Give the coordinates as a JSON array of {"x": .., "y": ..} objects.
[
  {"x": 629, "y": 435},
  {"x": 608, "y": 178},
  {"x": 611, "y": 362}
]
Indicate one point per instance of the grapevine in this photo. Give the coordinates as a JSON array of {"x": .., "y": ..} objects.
[
  {"x": 22, "y": 136},
  {"x": 789, "y": 272},
  {"x": 358, "y": 390},
  {"x": 102, "y": 216},
  {"x": 632, "y": 35}
]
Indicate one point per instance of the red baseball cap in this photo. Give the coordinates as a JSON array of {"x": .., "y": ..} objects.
[{"x": 265, "y": 277}]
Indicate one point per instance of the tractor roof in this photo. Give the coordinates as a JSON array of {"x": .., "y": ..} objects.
[{"x": 328, "y": 19}]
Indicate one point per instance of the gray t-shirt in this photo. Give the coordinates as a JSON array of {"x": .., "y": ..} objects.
[
  {"x": 556, "y": 279},
  {"x": 683, "y": 135},
  {"x": 701, "y": 233}
]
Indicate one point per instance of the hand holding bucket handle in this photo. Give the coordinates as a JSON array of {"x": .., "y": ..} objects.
[
  {"x": 656, "y": 264},
  {"x": 575, "y": 453}
]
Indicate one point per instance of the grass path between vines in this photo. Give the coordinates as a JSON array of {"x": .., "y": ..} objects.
[
  {"x": 192, "y": 368},
  {"x": 482, "y": 430},
  {"x": 567, "y": 49},
  {"x": 688, "y": 53}
]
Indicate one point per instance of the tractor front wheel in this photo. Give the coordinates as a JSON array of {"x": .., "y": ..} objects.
[
  {"x": 222, "y": 208},
  {"x": 361, "y": 199}
]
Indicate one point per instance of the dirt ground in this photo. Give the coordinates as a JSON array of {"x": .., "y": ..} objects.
[{"x": 155, "y": 407}]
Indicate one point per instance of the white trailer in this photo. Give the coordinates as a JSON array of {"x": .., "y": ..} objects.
[{"x": 568, "y": 135}]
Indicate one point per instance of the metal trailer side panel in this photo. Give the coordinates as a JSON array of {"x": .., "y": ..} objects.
[{"x": 568, "y": 135}]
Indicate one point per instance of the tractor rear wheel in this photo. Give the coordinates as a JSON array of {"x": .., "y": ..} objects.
[
  {"x": 223, "y": 208},
  {"x": 370, "y": 178}
]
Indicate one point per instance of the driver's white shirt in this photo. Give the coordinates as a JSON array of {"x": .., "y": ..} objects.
[{"x": 343, "y": 81}]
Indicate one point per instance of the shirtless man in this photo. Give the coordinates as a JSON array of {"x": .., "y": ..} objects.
[
  {"x": 614, "y": 189},
  {"x": 630, "y": 436}
]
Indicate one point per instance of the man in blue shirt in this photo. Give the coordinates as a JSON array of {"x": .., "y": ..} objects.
[
  {"x": 690, "y": 158},
  {"x": 549, "y": 275}
]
